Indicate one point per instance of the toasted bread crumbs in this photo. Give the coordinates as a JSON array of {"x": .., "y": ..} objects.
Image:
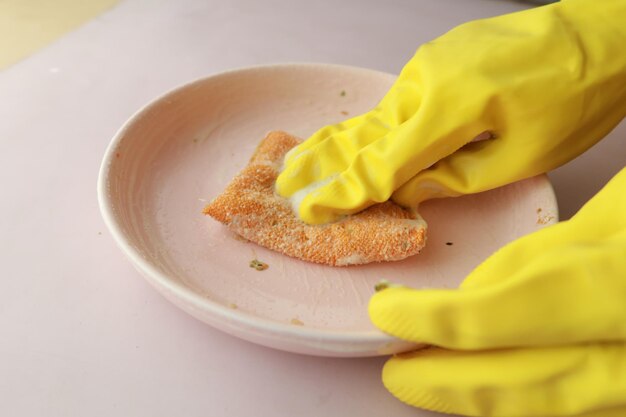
[
  {"x": 258, "y": 265},
  {"x": 545, "y": 219}
]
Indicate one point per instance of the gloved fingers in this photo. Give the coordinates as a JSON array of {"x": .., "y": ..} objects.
[
  {"x": 333, "y": 148},
  {"x": 337, "y": 195},
  {"x": 400, "y": 103},
  {"x": 328, "y": 157},
  {"x": 601, "y": 222},
  {"x": 569, "y": 294},
  {"x": 541, "y": 382},
  {"x": 518, "y": 150},
  {"x": 512, "y": 154},
  {"x": 561, "y": 284},
  {"x": 377, "y": 169},
  {"x": 455, "y": 175},
  {"x": 324, "y": 133}
]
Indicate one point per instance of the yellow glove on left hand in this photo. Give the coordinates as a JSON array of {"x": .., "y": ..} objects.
[
  {"x": 538, "y": 329},
  {"x": 547, "y": 82}
]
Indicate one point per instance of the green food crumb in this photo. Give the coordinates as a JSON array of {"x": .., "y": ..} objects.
[{"x": 383, "y": 284}]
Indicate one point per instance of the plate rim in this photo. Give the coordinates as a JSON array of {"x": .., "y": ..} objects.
[{"x": 240, "y": 320}]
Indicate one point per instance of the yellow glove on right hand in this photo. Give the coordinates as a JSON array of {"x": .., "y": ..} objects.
[
  {"x": 547, "y": 82},
  {"x": 538, "y": 329}
]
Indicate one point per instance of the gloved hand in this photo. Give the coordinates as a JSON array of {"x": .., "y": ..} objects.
[
  {"x": 546, "y": 83},
  {"x": 538, "y": 329}
]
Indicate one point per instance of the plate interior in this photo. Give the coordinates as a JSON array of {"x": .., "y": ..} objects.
[{"x": 182, "y": 151}]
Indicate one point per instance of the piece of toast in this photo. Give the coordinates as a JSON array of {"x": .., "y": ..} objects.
[{"x": 250, "y": 207}]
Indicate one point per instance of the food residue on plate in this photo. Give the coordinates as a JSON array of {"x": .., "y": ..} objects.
[
  {"x": 258, "y": 265},
  {"x": 240, "y": 238},
  {"x": 296, "y": 322},
  {"x": 381, "y": 285},
  {"x": 543, "y": 218}
]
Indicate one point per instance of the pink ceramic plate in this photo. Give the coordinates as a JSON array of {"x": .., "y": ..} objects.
[{"x": 181, "y": 150}]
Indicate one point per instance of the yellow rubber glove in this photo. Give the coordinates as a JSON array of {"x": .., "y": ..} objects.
[
  {"x": 538, "y": 329},
  {"x": 547, "y": 83}
]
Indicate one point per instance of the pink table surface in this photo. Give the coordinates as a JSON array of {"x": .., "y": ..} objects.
[{"x": 80, "y": 332}]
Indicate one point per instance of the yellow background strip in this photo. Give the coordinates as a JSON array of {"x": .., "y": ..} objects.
[{"x": 28, "y": 25}]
